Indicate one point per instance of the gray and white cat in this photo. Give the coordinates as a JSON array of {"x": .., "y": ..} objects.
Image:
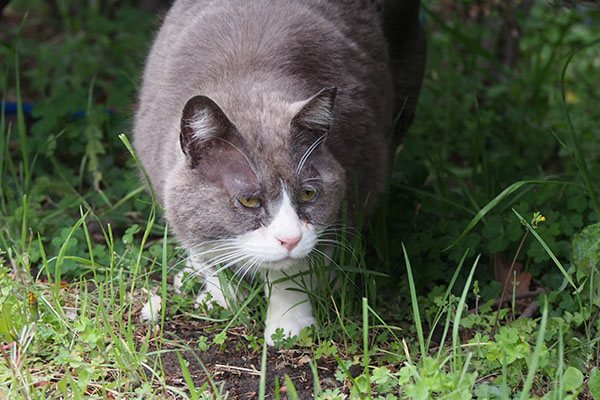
[{"x": 256, "y": 120}]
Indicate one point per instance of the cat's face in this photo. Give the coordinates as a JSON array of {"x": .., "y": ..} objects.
[{"x": 256, "y": 196}]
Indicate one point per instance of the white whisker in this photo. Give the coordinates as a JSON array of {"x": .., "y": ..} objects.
[
  {"x": 333, "y": 262},
  {"x": 308, "y": 152},
  {"x": 229, "y": 258},
  {"x": 243, "y": 154}
]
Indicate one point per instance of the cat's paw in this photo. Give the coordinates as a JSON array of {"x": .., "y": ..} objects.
[
  {"x": 291, "y": 325},
  {"x": 208, "y": 298},
  {"x": 151, "y": 309},
  {"x": 211, "y": 295},
  {"x": 178, "y": 282}
]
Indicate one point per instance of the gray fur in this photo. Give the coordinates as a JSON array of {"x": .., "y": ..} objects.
[{"x": 254, "y": 59}]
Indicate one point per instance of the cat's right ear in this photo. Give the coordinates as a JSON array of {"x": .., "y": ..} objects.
[
  {"x": 203, "y": 126},
  {"x": 316, "y": 113}
]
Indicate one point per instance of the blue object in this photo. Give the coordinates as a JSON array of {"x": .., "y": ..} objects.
[{"x": 10, "y": 107}]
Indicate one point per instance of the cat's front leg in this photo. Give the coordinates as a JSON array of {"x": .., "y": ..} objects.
[
  {"x": 215, "y": 289},
  {"x": 289, "y": 306}
]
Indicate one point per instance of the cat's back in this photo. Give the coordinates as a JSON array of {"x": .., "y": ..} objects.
[{"x": 203, "y": 40}]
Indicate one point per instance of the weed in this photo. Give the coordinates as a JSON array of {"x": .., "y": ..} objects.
[{"x": 495, "y": 138}]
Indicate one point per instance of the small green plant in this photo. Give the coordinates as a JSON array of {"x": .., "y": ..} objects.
[{"x": 495, "y": 138}]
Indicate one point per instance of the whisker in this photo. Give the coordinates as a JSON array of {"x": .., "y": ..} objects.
[
  {"x": 345, "y": 246},
  {"x": 257, "y": 268},
  {"x": 308, "y": 152},
  {"x": 333, "y": 262},
  {"x": 243, "y": 154},
  {"x": 235, "y": 256},
  {"x": 250, "y": 263}
]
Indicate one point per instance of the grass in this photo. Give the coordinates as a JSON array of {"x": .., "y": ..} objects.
[{"x": 82, "y": 246}]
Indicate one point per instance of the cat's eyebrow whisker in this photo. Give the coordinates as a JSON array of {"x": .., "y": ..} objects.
[
  {"x": 243, "y": 154},
  {"x": 309, "y": 151},
  {"x": 310, "y": 180}
]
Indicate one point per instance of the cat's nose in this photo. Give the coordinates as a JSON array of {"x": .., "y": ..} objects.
[{"x": 289, "y": 242}]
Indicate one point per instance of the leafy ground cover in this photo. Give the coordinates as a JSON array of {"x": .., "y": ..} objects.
[{"x": 477, "y": 277}]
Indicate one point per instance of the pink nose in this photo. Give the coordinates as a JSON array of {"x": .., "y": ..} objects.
[{"x": 289, "y": 242}]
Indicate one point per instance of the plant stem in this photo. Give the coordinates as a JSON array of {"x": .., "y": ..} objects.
[{"x": 508, "y": 275}]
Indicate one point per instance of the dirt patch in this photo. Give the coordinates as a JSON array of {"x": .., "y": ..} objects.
[{"x": 236, "y": 364}]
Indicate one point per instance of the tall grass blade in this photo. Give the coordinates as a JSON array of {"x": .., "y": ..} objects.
[
  {"x": 24, "y": 225},
  {"x": 291, "y": 389},
  {"x": 194, "y": 394},
  {"x": 61, "y": 257},
  {"x": 21, "y": 128},
  {"x": 365, "y": 329},
  {"x": 415, "y": 303},
  {"x": 347, "y": 373},
  {"x": 536, "y": 354},
  {"x": 494, "y": 202},
  {"x": 459, "y": 310},
  {"x": 579, "y": 156},
  {"x": 129, "y": 147},
  {"x": 557, "y": 263},
  {"x": 547, "y": 249},
  {"x": 263, "y": 373},
  {"x": 439, "y": 313},
  {"x": 316, "y": 383}
]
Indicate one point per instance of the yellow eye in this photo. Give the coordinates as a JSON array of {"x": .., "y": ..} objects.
[
  {"x": 308, "y": 195},
  {"x": 249, "y": 201}
]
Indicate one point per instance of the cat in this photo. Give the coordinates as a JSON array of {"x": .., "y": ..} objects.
[{"x": 256, "y": 122}]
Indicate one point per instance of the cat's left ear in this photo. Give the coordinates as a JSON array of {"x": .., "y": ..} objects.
[
  {"x": 204, "y": 127},
  {"x": 316, "y": 113}
]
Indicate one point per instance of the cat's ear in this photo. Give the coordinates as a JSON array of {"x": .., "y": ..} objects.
[
  {"x": 316, "y": 113},
  {"x": 203, "y": 126}
]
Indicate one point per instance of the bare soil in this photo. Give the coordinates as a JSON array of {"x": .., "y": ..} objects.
[{"x": 236, "y": 365}]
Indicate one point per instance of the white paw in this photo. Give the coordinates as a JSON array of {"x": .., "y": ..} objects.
[
  {"x": 223, "y": 293},
  {"x": 291, "y": 325},
  {"x": 209, "y": 298},
  {"x": 151, "y": 309},
  {"x": 178, "y": 282}
]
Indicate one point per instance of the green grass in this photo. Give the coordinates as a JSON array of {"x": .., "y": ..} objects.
[{"x": 83, "y": 247}]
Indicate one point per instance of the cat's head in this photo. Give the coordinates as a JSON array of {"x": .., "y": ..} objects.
[{"x": 258, "y": 192}]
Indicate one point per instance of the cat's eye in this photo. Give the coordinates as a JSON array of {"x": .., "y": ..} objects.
[
  {"x": 249, "y": 201},
  {"x": 307, "y": 195}
]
